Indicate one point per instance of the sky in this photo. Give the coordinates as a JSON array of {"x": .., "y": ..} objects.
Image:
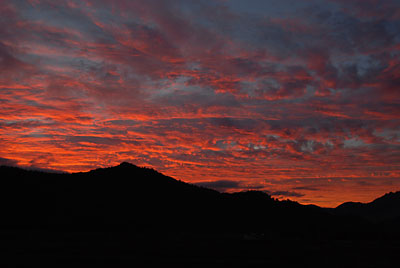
[{"x": 300, "y": 99}]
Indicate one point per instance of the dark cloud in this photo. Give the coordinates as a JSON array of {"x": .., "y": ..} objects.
[
  {"x": 306, "y": 188},
  {"x": 221, "y": 185}
]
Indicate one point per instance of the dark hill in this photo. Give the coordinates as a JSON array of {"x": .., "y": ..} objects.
[
  {"x": 134, "y": 197},
  {"x": 384, "y": 208},
  {"x": 127, "y": 215}
]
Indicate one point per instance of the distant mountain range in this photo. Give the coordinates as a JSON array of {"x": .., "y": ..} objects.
[
  {"x": 132, "y": 195},
  {"x": 384, "y": 208},
  {"x": 141, "y": 203}
]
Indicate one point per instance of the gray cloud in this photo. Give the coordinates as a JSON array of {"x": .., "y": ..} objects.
[
  {"x": 220, "y": 185},
  {"x": 286, "y": 193}
]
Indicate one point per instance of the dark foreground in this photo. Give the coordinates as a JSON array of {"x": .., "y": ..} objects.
[
  {"x": 60, "y": 248},
  {"x": 133, "y": 217}
]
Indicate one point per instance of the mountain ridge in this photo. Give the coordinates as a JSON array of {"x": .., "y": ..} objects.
[
  {"x": 383, "y": 208},
  {"x": 127, "y": 214},
  {"x": 108, "y": 193},
  {"x": 129, "y": 166},
  {"x": 126, "y": 166}
]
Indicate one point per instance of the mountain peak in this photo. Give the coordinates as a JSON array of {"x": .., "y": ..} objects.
[
  {"x": 126, "y": 165},
  {"x": 389, "y": 197}
]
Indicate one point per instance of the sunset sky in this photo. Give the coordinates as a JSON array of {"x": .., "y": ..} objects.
[{"x": 297, "y": 98}]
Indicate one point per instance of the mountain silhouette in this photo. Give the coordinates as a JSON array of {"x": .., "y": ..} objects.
[
  {"x": 126, "y": 214},
  {"x": 384, "y": 208},
  {"x": 133, "y": 196}
]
